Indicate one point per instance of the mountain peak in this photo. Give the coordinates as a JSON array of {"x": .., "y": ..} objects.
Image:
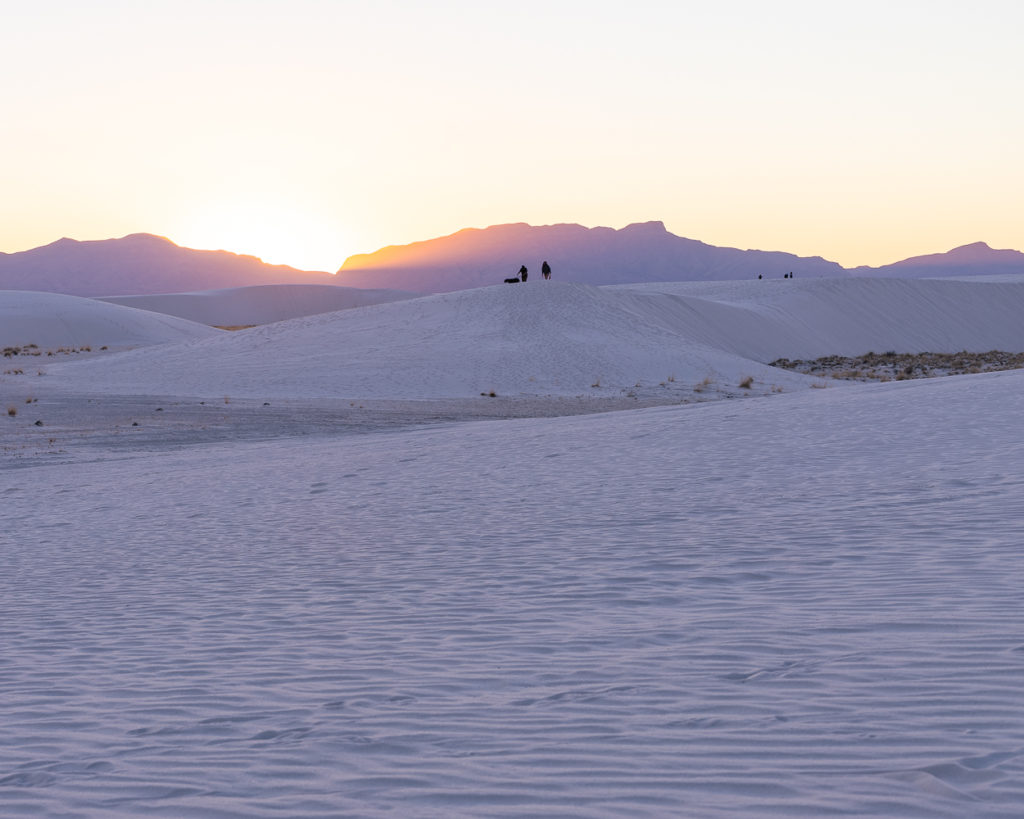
[
  {"x": 646, "y": 227},
  {"x": 150, "y": 238},
  {"x": 974, "y": 250}
]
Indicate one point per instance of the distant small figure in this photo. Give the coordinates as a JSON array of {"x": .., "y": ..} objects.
[
  {"x": 545, "y": 270},
  {"x": 759, "y": 275},
  {"x": 522, "y": 272}
]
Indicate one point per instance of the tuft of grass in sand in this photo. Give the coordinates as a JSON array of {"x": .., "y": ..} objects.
[
  {"x": 12, "y": 411},
  {"x": 703, "y": 385},
  {"x": 747, "y": 382}
]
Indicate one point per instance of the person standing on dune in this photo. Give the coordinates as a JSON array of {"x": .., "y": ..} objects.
[
  {"x": 545, "y": 271},
  {"x": 522, "y": 272}
]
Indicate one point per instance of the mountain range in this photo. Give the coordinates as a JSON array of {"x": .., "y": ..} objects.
[
  {"x": 139, "y": 264},
  {"x": 639, "y": 252},
  {"x": 142, "y": 263}
]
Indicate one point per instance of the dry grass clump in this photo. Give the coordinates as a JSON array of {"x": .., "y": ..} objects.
[
  {"x": 893, "y": 366},
  {"x": 12, "y": 411},
  {"x": 747, "y": 382},
  {"x": 703, "y": 385},
  {"x": 27, "y": 349}
]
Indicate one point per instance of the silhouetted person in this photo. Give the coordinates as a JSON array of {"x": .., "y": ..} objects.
[
  {"x": 759, "y": 275},
  {"x": 522, "y": 272},
  {"x": 545, "y": 270}
]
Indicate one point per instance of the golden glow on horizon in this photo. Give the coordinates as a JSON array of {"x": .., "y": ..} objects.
[
  {"x": 270, "y": 230},
  {"x": 307, "y": 131}
]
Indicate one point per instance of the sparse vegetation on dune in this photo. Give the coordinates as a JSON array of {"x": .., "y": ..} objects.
[
  {"x": 34, "y": 349},
  {"x": 893, "y": 366},
  {"x": 28, "y": 349}
]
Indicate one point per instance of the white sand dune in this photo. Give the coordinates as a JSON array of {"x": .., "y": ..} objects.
[
  {"x": 552, "y": 338},
  {"x": 260, "y": 304},
  {"x": 805, "y": 605},
  {"x": 818, "y": 317},
  {"x": 54, "y": 320}
]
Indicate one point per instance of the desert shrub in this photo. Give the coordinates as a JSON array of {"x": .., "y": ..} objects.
[
  {"x": 12, "y": 411},
  {"x": 747, "y": 382}
]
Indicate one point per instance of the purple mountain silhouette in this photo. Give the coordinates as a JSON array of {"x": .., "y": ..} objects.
[
  {"x": 139, "y": 264},
  {"x": 642, "y": 252},
  {"x": 143, "y": 264},
  {"x": 977, "y": 259}
]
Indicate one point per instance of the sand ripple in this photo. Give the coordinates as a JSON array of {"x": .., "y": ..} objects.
[{"x": 670, "y": 615}]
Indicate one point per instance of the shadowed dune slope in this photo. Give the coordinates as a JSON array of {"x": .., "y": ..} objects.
[
  {"x": 54, "y": 320},
  {"x": 259, "y": 304}
]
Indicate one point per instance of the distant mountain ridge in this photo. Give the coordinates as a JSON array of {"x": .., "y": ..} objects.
[
  {"x": 145, "y": 264},
  {"x": 640, "y": 252},
  {"x": 138, "y": 264},
  {"x": 976, "y": 259}
]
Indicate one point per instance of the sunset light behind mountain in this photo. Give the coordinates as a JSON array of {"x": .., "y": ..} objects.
[{"x": 306, "y": 132}]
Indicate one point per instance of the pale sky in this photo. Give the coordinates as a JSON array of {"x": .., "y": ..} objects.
[{"x": 308, "y": 130}]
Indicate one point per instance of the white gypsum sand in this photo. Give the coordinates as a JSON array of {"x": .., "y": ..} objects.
[{"x": 801, "y": 604}]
